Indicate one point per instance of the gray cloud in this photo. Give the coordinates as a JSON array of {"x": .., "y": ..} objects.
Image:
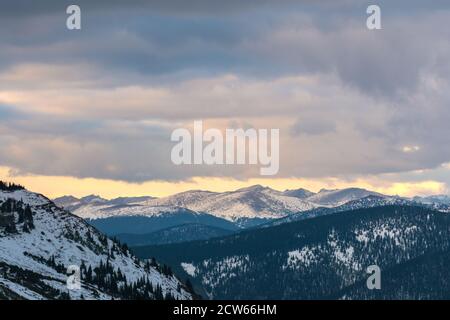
[
  {"x": 348, "y": 100},
  {"x": 313, "y": 127},
  {"x": 26, "y": 8},
  {"x": 150, "y": 43}
]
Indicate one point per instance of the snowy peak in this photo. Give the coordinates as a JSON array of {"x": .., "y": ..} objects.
[
  {"x": 94, "y": 206},
  {"x": 437, "y": 202},
  {"x": 93, "y": 212},
  {"x": 66, "y": 201},
  {"x": 246, "y": 203},
  {"x": 129, "y": 200},
  {"x": 183, "y": 199},
  {"x": 298, "y": 193},
  {"x": 93, "y": 199},
  {"x": 70, "y": 203},
  {"x": 333, "y": 198},
  {"x": 256, "y": 203},
  {"x": 439, "y": 199},
  {"x": 255, "y": 188}
]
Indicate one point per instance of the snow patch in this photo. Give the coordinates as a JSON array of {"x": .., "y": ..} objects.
[{"x": 189, "y": 268}]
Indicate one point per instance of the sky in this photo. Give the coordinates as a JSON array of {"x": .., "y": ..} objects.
[{"x": 92, "y": 110}]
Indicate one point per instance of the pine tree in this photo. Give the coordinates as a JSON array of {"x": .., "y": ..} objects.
[{"x": 189, "y": 286}]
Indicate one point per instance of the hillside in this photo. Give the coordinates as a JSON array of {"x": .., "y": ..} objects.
[
  {"x": 317, "y": 258},
  {"x": 39, "y": 241},
  {"x": 179, "y": 233}
]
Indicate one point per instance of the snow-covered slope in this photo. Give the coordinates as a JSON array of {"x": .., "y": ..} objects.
[
  {"x": 36, "y": 251},
  {"x": 106, "y": 211},
  {"x": 334, "y": 198},
  {"x": 370, "y": 201},
  {"x": 442, "y": 199},
  {"x": 298, "y": 193},
  {"x": 437, "y": 202},
  {"x": 94, "y": 207},
  {"x": 253, "y": 202},
  {"x": 95, "y": 204}
]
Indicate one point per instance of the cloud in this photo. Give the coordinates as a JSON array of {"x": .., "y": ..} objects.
[
  {"x": 56, "y": 186},
  {"x": 102, "y": 102},
  {"x": 26, "y": 8},
  {"x": 410, "y": 149},
  {"x": 9, "y": 113},
  {"x": 150, "y": 43},
  {"x": 129, "y": 128},
  {"x": 313, "y": 126}
]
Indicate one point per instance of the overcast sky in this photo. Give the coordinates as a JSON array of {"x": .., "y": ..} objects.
[{"x": 352, "y": 104}]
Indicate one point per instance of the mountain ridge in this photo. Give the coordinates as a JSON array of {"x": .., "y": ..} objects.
[{"x": 253, "y": 202}]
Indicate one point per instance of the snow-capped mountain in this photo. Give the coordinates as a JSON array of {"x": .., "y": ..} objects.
[
  {"x": 94, "y": 204},
  {"x": 103, "y": 210},
  {"x": 298, "y": 193},
  {"x": 67, "y": 202},
  {"x": 438, "y": 202},
  {"x": 130, "y": 218},
  {"x": 442, "y": 199},
  {"x": 245, "y": 207},
  {"x": 255, "y": 202},
  {"x": 238, "y": 206},
  {"x": 39, "y": 241},
  {"x": 334, "y": 198},
  {"x": 247, "y": 203},
  {"x": 370, "y": 201}
]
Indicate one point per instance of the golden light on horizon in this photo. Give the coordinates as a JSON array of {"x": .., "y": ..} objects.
[{"x": 56, "y": 186}]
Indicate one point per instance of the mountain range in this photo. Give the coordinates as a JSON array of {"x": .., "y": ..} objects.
[
  {"x": 294, "y": 244},
  {"x": 213, "y": 213}
]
